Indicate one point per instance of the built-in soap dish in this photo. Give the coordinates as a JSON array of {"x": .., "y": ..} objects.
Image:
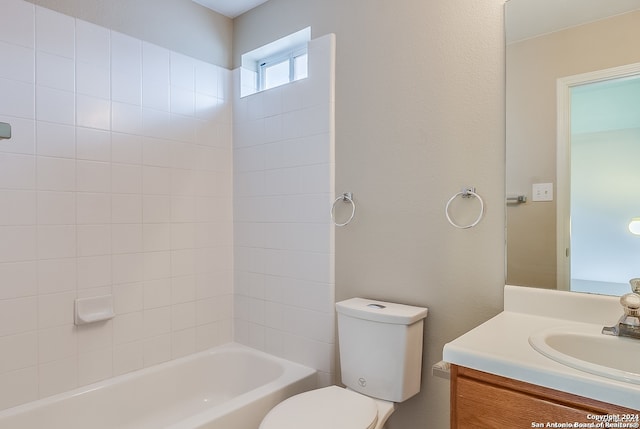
[
  {"x": 5, "y": 130},
  {"x": 93, "y": 309}
]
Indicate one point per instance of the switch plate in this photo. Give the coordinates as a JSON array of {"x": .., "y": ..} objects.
[{"x": 542, "y": 192}]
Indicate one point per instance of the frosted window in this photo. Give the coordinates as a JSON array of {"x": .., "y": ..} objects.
[
  {"x": 282, "y": 68},
  {"x": 276, "y": 74},
  {"x": 300, "y": 67},
  {"x": 276, "y": 63}
]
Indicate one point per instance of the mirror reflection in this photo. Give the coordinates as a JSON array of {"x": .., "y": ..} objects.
[{"x": 573, "y": 144}]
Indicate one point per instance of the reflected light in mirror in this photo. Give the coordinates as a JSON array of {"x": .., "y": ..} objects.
[{"x": 634, "y": 226}]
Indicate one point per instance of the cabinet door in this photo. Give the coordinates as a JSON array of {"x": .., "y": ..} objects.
[
  {"x": 485, "y": 406},
  {"x": 485, "y": 401}
]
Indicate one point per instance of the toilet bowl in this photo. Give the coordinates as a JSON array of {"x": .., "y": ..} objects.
[
  {"x": 330, "y": 407},
  {"x": 381, "y": 361}
]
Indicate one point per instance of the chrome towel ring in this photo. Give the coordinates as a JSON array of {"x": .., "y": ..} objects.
[
  {"x": 465, "y": 193},
  {"x": 347, "y": 197}
]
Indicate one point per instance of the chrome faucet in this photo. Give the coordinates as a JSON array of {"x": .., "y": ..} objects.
[{"x": 629, "y": 323}]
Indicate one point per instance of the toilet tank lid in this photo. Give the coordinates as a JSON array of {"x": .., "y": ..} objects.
[{"x": 381, "y": 311}]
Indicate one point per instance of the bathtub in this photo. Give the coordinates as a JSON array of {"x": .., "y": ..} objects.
[{"x": 227, "y": 387}]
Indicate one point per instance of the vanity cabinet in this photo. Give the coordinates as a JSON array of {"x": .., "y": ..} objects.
[{"x": 485, "y": 401}]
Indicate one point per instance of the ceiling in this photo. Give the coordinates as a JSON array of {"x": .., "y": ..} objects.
[
  {"x": 530, "y": 18},
  {"x": 526, "y": 18},
  {"x": 230, "y": 8}
]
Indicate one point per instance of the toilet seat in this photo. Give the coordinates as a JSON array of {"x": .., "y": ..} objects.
[{"x": 330, "y": 407}]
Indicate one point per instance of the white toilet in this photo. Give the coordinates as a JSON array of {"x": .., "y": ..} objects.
[{"x": 381, "y": 363}]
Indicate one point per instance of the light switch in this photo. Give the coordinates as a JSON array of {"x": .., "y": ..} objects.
[{"x": 542, "y": 192}]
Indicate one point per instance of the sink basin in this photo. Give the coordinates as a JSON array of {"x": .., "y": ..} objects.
[{"x": 585, "y": 348}]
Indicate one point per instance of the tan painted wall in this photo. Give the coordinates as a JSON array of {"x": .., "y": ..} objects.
[
  {"x": 533, "y": 67},
  {"x": 199, "y": 33},
  {"x": 419, "y": 114}
]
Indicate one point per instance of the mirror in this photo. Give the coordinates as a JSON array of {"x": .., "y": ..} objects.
[{"x": 550, "y": 46}]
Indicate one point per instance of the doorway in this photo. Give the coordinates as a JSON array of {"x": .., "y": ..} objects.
[{"x": 598, "y": 180}]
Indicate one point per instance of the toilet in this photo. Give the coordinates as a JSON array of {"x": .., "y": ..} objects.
[{"x": 381, "y": 363}]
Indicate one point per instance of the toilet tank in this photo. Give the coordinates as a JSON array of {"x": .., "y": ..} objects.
[{"x": 381, "y": 347}]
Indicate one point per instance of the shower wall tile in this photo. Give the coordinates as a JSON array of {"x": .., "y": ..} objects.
[
  {"x": 25, "y": 386},
  {"x": 56, "y": 241},
  {"x": 18, "y": 315},
  {"x": 54, "y": 105},
  {"x": 54, "y": 71},
  {"x": 94, "y": 145},
  {"x": 18, "y": 279},
  {"x": 57, "y": 275},
  {"x": 127, "y": 357},
  {"x": 18, "y": 99},
  {"x": 57, "y": 376},
  {"x": 55, "y": 140},
  {"x": 126, "y": 208},
  {"x": 126, "y": 54},
  {"x": 126, "y": 69},
  {"x": 92, "y": 44},
  {"x": 17, "y": 207},
  {"x": 93, "y": 112},
  {"x": 55, "y": 33},
  {"x": 56, "y": 343},
  {"x": 125, "y": 148},
  {"x": 94, "y": 366},
  {"x": 283, "y": 238},
  {"x": 155, "y": 77},
  {"x": 183, "y": 71},
  {"x": 93, "y": 80},
  {"x": 112, "y": 183},
  {"x": 93, "y": 208},
  {"x": 18, "y": 243},
  {"x": 157, "y": 350},
  {"x": 126, "y": 118}
]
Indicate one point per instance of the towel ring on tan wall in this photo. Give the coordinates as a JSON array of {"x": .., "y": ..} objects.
[
  {"x": 465, "y": 193},
  {"x": 347, "y": 197}
]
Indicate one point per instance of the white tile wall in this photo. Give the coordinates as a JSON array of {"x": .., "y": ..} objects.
[
  {"x": 283, "y": 190},
  {"x": 117, "y": 180}
]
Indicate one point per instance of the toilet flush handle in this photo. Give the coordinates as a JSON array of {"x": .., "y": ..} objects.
[{"x": 376, "y": 306}]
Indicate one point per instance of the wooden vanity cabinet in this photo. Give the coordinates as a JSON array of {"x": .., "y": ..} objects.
[{"x": 485, "y": 401}]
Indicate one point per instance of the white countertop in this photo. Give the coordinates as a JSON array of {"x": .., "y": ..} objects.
[{"x": 500, "y": 346}]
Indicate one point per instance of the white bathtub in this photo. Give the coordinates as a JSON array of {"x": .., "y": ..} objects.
[{"x": 227, "y": 387}]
